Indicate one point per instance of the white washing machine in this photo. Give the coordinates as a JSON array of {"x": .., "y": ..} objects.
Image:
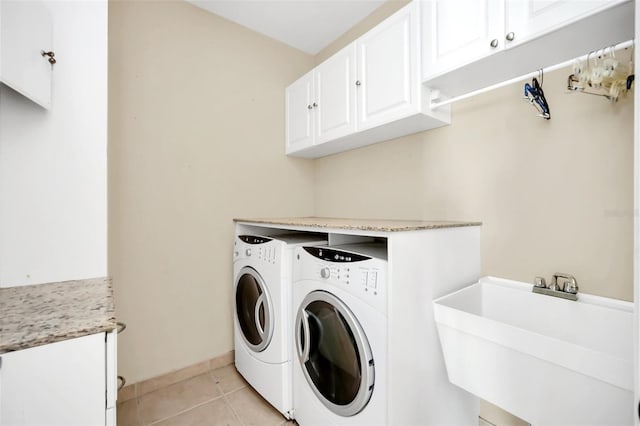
[
  {"x": 340, "y": 305},
  {"x": 262, "y": 326}
]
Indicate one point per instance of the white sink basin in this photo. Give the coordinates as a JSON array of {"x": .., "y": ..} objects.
[{"x": 547, "y": 360}]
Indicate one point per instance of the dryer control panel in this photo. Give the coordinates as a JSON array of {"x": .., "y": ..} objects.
[
  {"x": 361, "y": 275},
  {"x": 255, "y": 247}
]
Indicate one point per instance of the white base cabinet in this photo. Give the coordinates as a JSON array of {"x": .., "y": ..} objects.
[
  {"x": 26, "y": 30},
  {"x": 368, "y": 92},
  {"x": 64, "y": 383}
]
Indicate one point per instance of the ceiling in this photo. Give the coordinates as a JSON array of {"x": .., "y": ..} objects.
[{"x": 307, "y": 25}]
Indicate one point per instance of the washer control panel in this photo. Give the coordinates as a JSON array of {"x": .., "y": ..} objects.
[{"x": 356, "y": 273}]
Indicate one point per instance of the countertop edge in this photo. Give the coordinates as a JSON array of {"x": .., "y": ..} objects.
[
  {"x": 54, "y": 338},
  {"x": 384, "y": 226}
]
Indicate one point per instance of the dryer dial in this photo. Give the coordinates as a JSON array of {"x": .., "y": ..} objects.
[{"x": 325, "y": 272}]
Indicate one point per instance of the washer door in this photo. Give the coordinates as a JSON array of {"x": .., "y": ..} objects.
[
  {"x": 334, "y": 353},
  {"x": 253, "y": 309}
]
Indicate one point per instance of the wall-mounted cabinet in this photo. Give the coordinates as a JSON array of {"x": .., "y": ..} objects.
[
  {"x": 26, "y": 30},
  {"x": 495, "y": 40},
  {"x": 321, "y": 105},
  {"x": 368, "y": 92}
]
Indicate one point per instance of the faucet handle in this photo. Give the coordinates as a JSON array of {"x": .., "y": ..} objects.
[
  {"x": 540, "y": 282},
  {"x": 570, "y": 283}
]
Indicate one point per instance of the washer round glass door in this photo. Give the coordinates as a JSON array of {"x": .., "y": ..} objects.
[
  {"x": 334, "y": 353},
  {"x": 253, "y": 309}
]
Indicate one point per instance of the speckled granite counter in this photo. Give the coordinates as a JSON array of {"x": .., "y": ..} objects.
[
  {"x": 38, "y": 314},
  {"x": 359, "y": 224}
]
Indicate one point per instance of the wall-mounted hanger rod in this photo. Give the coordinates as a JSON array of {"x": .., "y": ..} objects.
[{"x": 528, "y": 76}]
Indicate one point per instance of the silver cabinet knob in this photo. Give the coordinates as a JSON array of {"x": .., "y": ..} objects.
[
  {"x": 358, "y": 83},
  {"x": 248, "y": 252},
  {"x": 315, "y": 104},
  {"x": 309, "y": 107},
  {"x": 494, "y": 43},
  {"x": 510, "y": 36},
  {"x": 325, "y": 272}
]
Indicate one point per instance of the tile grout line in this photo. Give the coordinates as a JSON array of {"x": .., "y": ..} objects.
[
  {"x": 221, "y": 395},
  {"x": 182, "y": 411},
  {"x": 226, "y": 401},
  {"x": 138, "y": 417},
  {"x": 210, "y": 373}
]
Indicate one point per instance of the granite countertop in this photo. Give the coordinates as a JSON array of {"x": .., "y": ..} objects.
[
  {"x": 359, "y": 224},
  {"x": 35, "y": 315}
]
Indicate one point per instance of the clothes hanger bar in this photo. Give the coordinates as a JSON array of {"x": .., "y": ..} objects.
[{"x": 528, "y": 76}]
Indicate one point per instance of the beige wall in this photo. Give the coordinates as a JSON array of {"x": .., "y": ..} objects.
[
  {"x": 553, "y": 196},
  {"x": 196, "y": 131}
]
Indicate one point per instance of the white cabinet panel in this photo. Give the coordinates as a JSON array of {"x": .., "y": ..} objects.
[
  {"x": 61, "y": 383},
  {"x": 335, "y": 83},
  {"x": 299, "y": 114},
  {"x": 26, "y": 30},
  {"x": 451, "y": 38},
  {"x": 527, "y": 19},
  {"x": 111, "y": 359},
  {"x": 388, "y": 70}
]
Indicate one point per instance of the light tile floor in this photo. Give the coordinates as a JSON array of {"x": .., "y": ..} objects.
[{"x": 219, "y": 397}]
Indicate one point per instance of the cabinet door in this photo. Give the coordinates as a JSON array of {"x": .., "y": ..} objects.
[
  {"x": 25, "y": 30},
  {"x": 457, "y": 32},
  {"x": 335, "y": 83},
  {"x": 388, "y": 70},
  {"x": 60, "y": 383},
  {"x": 299, "y": 113},
  {"x": 527, "y": 19}
]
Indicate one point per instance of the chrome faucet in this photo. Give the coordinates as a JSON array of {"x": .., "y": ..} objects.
[{"x": 566, "y": 287}]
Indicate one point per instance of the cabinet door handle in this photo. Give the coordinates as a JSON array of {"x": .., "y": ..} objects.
[
  {"x": 50, "y": 54},
  {"x": 510, "y": 36},
  {"x": 358, "y": 83},
  {"x": 309, "y": 107},
  {"x": 494, "y": 43},
  {"x": 315, "y": 104}
]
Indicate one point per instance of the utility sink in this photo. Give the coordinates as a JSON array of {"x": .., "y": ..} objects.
[{"x": 549, "y": 361}]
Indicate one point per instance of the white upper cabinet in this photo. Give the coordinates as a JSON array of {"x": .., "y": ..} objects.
[
  {"x": 368, "y": 92},
  {"x": 451, "y": 38},
  {"x": 387, "y": 73},
  {"x": 299, "y": 114},
  {"x": 496, "y": 40},
  {"x": 335, "y": 91},
  {"x": 527, "y": 19},
  {"x": 26, "y": 30}
]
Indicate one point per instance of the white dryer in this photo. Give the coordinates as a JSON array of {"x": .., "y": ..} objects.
[
  {"x": 262, "y": 326},
  {"x": 340, "y": 305}
]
